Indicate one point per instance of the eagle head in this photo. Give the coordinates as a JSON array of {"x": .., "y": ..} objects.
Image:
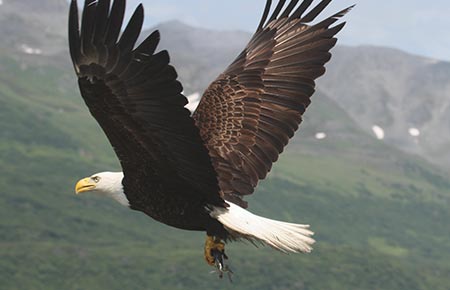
[{"x": 104, "y": 183}]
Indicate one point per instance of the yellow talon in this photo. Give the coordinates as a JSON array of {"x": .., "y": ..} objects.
[{"x": 213, "y": 243}]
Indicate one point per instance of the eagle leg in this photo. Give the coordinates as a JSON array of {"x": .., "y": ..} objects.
[{"x": 215, "y": 255}]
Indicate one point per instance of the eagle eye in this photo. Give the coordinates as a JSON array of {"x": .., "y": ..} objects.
[{"x": 96, "y": 179}]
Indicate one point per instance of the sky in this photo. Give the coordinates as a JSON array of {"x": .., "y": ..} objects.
[{"x": 416, "y": 26}]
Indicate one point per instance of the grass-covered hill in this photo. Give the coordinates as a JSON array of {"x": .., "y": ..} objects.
[{"x": 380, "y": 215}]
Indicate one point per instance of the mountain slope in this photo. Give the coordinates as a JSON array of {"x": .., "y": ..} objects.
[
  {"x": 376, "y": 211},
  {"x": 379, "y": 214},
  {"x": 31, "y": 28},
  {"x": 396, "y": 91}
]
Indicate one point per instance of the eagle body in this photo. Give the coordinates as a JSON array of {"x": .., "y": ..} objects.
[
  {"x": 184, "y": 211},
  {"x": 193, "y": 171}
]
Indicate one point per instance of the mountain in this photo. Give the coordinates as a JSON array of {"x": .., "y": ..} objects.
[
  {"x": 374, "y": 85},
  {"x": 30, "y": 28},
  {"x": 379, "y": 213},
  {"x": 397, "y": 91}
]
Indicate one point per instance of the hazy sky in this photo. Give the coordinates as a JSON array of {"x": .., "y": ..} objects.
[{"x": 416, "y": 26}]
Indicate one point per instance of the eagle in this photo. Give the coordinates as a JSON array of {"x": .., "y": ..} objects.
[{"x": 193, "y": 171}]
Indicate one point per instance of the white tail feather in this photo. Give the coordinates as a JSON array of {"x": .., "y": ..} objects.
[{"x": 286, "y": 237}]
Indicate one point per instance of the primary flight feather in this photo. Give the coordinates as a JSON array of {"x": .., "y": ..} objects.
[{"x": 192, "y": 172}]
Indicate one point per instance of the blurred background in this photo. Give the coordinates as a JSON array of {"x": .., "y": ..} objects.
[{"x": 369, "y": 168}]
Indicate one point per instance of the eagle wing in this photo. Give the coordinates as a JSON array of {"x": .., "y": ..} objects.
[
  {"x": 134, "y": 95},
  {"x": 248, "y": 114}
]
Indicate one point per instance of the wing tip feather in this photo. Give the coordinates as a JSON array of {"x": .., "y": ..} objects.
[
  {"x": 346, "y": 10},
  {"x": 74, "y": 31},
  {"x": 265, "y": 15},
  {"x": 298, "y": 12}
]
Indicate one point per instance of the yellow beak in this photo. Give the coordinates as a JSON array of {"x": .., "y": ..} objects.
[{"x": 85, "y": 184}]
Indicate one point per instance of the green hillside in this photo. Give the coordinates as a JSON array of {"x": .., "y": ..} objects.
[{"x": 380, "y": 216}]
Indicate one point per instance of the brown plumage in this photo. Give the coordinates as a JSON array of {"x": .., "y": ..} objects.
[
  {"x": 193, "y": 172},
  {"x": 248, "y": 114},
  {"x": 135, "y": 97}
]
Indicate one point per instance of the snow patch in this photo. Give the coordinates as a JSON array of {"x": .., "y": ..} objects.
[
  {"x": 321, "y": 136},
  {"x": 30, "y": 50},
  {"x": 414, "y": 132},
  {"x": 378, "y": 131},
  {"x": 194, "y": 100}
]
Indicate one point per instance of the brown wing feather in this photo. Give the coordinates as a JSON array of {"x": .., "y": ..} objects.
[
  {"x": 248, "y": 114},
  {"x": 136, "y": 98}
]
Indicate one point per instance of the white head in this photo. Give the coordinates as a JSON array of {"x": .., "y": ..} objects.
[{"x": 104, "y": 183}]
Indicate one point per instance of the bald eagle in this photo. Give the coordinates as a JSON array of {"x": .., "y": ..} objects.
[{"x": 193, "y": 172}]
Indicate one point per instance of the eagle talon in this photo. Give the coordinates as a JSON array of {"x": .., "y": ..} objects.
[
  {"x": 221, "y": 267},
  {"x": 215, "y": 256}
]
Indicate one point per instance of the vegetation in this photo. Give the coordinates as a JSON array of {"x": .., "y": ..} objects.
[{"x": 380, "y": 216}]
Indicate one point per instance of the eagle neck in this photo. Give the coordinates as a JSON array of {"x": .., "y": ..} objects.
[{"x": 115, "y": 190}]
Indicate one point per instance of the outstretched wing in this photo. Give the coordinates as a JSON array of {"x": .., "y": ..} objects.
[
  {"x": 134, "y": 95},
  {"x": 248, "y": 114}
]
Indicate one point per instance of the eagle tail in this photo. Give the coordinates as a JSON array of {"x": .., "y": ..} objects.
[{"x": 282, "y": 236}]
